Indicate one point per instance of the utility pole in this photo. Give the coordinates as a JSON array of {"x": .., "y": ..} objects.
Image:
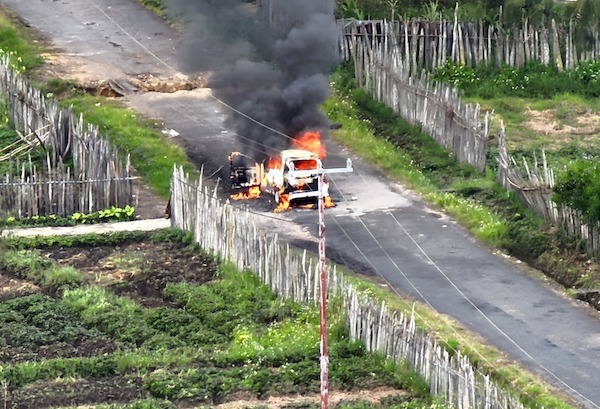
[{"x": 324, "y": 358}]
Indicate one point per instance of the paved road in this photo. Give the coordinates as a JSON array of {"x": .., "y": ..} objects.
[{"x": 377, "y": 227}]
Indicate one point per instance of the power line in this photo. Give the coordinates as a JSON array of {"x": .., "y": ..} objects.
[
  {"x": 361, "y": 221},
  {"x": 461, "y": 293}
]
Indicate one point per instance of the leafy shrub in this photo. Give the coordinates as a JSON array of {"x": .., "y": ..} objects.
[
  {"x": 533, "y": 80},
  {"x": 457, "y": 75},
  {"x": 110, "y": 214},
  {"x": 578, "y": 187}
]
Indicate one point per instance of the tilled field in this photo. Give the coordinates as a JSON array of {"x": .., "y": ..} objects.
[{"x": 159, "y": 324}]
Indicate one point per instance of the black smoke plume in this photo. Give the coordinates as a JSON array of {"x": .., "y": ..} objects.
[{"x": 270, "y": 61}]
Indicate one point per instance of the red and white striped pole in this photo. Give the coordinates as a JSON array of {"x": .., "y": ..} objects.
[
  {"x": 323, "y": 305},
  {"x": 323, "y": 276}
]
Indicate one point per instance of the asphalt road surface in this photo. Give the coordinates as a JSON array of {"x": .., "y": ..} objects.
[{"x": 377, "y": 227}]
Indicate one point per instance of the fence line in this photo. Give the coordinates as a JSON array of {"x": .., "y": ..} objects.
[
  {"x": 97, "y": 178},
  {"x": 381, "y": 69},
  {"x": 388, "y": 57},
  {"x": 233, "y": 235},
  {"x": 428, "y": 44},
  {"x": 533, "y": 184}
]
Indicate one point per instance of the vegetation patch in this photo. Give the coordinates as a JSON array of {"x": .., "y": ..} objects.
[
  {"x": 477, "y": 201},
  {"x": 75, "y": 392},
  {"x": 155, "y": 323},
  {"x": 37, "y": 327},
  {"x": 111, "y": 214}
]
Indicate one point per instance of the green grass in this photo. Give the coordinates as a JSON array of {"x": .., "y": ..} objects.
[
  {"x": 152, "y": 155},
  {"x": 29, "y": 265},
  {"x": 16, "y": 41},
  {"x": 229, "y": 337},
  {"x": 357, "y": 133},
  {"x": 476, "y": 201}
]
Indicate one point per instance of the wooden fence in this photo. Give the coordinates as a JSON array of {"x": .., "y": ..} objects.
[
  {"x": 428, "y": 44},
  {"x": 381, "y": 69},
  {"x": 281, "y": 15},
  {"x": 96, "y": 178},
  {"x": 532, "y": 184},
  {"x": 233, "y": 235}
]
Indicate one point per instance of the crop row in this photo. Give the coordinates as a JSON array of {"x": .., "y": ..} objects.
[{"x": 229, "y": 337}]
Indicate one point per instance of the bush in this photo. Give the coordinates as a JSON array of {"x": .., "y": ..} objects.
[
  {"x": 532, "y": 80},
  {"x": 578, "y": 187},
  {"x": 58, "y": 279}
]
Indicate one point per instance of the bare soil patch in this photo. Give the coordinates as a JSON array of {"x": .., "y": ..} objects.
[
  {"x": 138, "y": 270},
  {"x": 584, "y": 127},
  {"x": 74, "y": 392},
  {"x": 11, "y": 287}
]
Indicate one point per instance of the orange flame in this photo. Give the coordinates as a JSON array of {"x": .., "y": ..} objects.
[
  {"x": 328, "y": 202},
  {"x": 284, "y": 202},
  {"x": 310, "y": 141},
  {"x": 253, "y": 192},
  {"x": 305, "y": 164},
  {"x": 273, "y": 162}
]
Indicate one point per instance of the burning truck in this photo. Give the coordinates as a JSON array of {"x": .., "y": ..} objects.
[{"x": 273, "y": 176}]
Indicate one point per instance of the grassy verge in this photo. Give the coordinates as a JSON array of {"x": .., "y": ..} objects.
[
  {"x": 152, "y": 155},
  {"x": 405, "y": 154},
  {"x": 494, "y": 216},
  {"x": 23, "y": 49},
  {"x": 533, "y": 392}
]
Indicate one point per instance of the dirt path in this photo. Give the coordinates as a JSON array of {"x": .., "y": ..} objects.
[{"x": 136, "y": 225}]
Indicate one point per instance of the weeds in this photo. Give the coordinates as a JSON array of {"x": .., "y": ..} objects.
[
  {"x": 232, "y": 335},
  {"x": 15, "y": 42},
  {"x": 29, "y": 265}
]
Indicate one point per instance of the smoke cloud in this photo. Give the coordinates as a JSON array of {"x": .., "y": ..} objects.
[{"x": 276, "y": 74}]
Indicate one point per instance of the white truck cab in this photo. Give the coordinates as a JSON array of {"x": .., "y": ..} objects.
[{"x": 279, "y": 181}]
